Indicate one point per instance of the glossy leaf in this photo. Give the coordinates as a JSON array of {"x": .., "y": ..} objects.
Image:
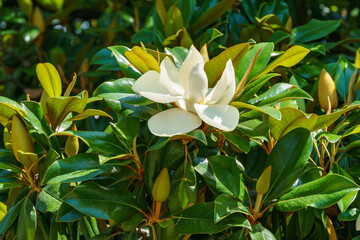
[
  {"x": 261, "y": 233},
  {"x": 60, "y": 107},
  {"x": 226, "y": 205},
  {"x": 320, "y": 193},
  {"x": 280, "y": 92},
  {"x": 275, "y": 113},
  {"x": 239, "y": 141},
  {"x": 216, "y": 65},
  {"x": 101, "y": 142},
  {"x": 100, "y": 202},
  {"x": 287, "y": 160},
  {"x": 200, "y": 219},
  {"x": 183, "y": 188},
  {"x": 313, "y": 30},
  {"x": 125, "y": 65},
  {"x": 80, "y": 167},
  {"x": 50, "y": 198},
  {"x": 90, "y": 113},
  {"x": 289, "y": 58},
  {"x": 27, "y": 218},
  {"x": 120, "y": 89}
]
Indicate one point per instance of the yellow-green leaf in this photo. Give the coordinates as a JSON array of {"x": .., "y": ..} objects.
[
  {"x": 357, "y": 58},
  {"x": 89, "y": 113},
  {"x": 289, "y": 58},
  {"x": 27, "y": 158},
  {"x": 216, "y": 65},
  {"x": 59, "y": 107},
  {"x": 49, "y": 79}
]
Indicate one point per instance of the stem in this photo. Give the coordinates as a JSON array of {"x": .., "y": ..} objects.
[
  {"x": 258, "y": 203},
  {"x": 86, "y": 229},
  {"x": 157, "y": 209}
]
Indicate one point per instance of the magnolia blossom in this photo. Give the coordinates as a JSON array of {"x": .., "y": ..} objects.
[{"x": 188, "y": 88}]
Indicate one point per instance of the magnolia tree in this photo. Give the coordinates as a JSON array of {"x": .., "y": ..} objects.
[{"x": 196, "y": 148}]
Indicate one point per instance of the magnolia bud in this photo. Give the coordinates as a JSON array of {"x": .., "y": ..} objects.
[
  {"x": 72, "y": 144},
  {"x": 263, "y": 184},
  {"x": 20, "y": 138},
  {"x": 327, "y": 91},
  {"x": 142, "y": 60},
  {"x": 161, "y": 187},
  {"x": 149, "y": 60},
  {"x": 37, "y": 19}
]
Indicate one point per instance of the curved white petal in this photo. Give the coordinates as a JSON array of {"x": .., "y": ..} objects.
[
  {"x": 172, "y": 122},
  {"x": 192, "y": 58},
  {"x": 169, "y": 77},
  {"x": 149, "y": 86},
  {"x": 224, "y": 117},
  {"x": 224, "y": 90},
  {"x": 197, "y": 84}
]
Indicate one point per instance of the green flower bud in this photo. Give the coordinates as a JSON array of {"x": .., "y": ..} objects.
[
  {"x": 263, "y": 184},
  {"x": 20, "y": 138},
  {"x": 161, "y": 187},
  {"x": 72, "y": 144}
]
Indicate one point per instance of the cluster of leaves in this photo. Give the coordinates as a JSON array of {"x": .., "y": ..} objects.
[{"x": 289, "y": 170}]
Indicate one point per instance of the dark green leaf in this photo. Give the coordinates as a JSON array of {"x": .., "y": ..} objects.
[
  {"x": 287, "y": 161},
  {"x": 321, "y": 193}
]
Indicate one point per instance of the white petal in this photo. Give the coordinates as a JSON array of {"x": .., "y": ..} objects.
[
  {"x": 169, "y": 77},
  {"x": 192, "y": 58},
  {"x": 172, "y": 122},
  {"x": 197, "y": 84},
  {"x": 224, "y": 90},
  {"x": 224, "y": 117},
  {"x": 149, "y": 86}
]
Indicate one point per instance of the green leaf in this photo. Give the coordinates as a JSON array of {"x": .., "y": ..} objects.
[
  {"x": 291, "y": 118},
  {"x": 332, "y": 138},
  {"x": 104, "y": 203},
  {"x": 260, "y": 233},
  {"x": 60, "y": 107},
  {"x": 275, "y": 113},
  {"x": 320, "y": 193},
  {"x": 67, "y": 213},
  {"x": 306, "y": 218},
  {"x": 222, "y": 174},
  {"x": 120, "y": 89},
  {"x": 239, "y": 141},
  {"x": 287, "y": 161},
  {"x": 291, "y": 57},
  {"x": 349, "y": 215},
  {"x": 211, "y": 15},
  {"x": 178, "y": 53},
  {"x": 253, "y": 87},
  {"x": 226, "y": 205},
  {"x": 183, "y": 188},
  {"x": 169, "y": 156},
  {"x": 174, "y": 21},
  {"x": 101, "y": 142},
  {"x": 280, "y": 92},
  {"x": 77, "y": 168},
  {"x": 50, "y": 198},
  {"x": 10, "y": 216},
  {"x": 27, "y": 219},
  {"x": 313, "y": 30},
  {"x": 199, "y": 219},
  {"x": 215, "y": 67},
  {"x": 260, "y": 64},
  {"x": 90, "y": 113}
]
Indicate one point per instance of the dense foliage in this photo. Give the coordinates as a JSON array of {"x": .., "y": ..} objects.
[{"x": 170, "y": 119}]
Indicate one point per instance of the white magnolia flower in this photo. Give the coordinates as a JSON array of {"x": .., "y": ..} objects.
[{"x": 188, "y": 88}]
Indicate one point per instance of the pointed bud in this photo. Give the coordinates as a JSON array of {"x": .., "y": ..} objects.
[
  {"x": 327, "y": 91},
  {"x": 263, "y": 184},
  {"x": 37, "y": 19},
  {"x": 161, "y": 187},
  {"x": 72, "y": 144},
  {"x": 20, "y": 138},
  {"x": 144, "y": 62}
]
